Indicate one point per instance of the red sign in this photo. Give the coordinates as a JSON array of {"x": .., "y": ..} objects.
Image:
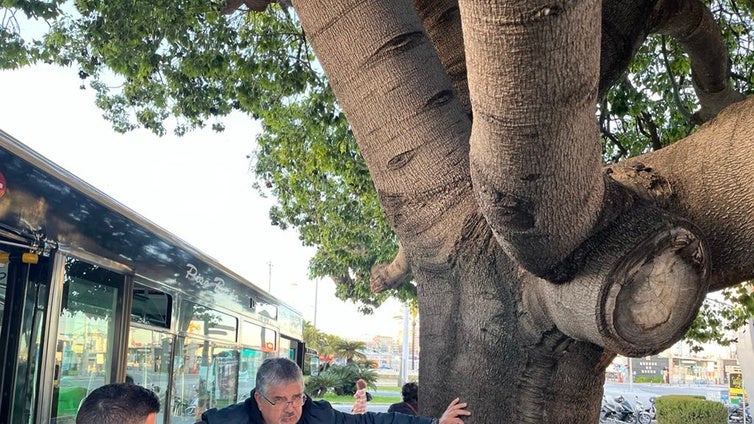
[{"x": 2, "y": 184}]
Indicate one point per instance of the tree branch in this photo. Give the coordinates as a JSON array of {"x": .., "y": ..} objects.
[
  {"x": 708, "y": 175},
  {"x": 412, "y": 131},
  {"x": 651, "y": 130},
  {"x": 692, "y": 24},
  {"x": 255, "y": 5},
  {"x": 442, "y": 21},
  {"x": 535, "y": 147},
  {"x": 674, "y": 83},
  {"x": 389, "y": 276}
]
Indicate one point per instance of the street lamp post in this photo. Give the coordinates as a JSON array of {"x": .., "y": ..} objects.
[{"x": 269, "y": 276}]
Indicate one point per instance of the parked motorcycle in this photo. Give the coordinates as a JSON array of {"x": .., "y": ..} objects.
[
  {"x": 736, "y": 414},
  {"x": 619, "y": 410},
  {"x": 645, "y": 414}
]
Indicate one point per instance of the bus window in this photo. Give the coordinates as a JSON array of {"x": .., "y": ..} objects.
[
  {"x": 252, "y": 335},
  {"x": 288, "y": 348},
  {"x": 150, "y": 306},
  {"x": 251, "y": 360},
  {"x": 205, "y": 376},
  {"x": 206, "y": 322},
  {"x": 148, "y": 361},
  {"x": 86, "y": 333}
]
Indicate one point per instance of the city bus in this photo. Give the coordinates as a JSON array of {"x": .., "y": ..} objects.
[{"x": 92, "y": 293}]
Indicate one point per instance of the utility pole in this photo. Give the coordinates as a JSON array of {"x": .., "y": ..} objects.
[
  {"x": 269, "y": 277},
  {"x": 316, "y": 294},
  {"x": 404, "y": 355}
]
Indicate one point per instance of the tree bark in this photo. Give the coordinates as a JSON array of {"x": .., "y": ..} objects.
[
  {"x": 442, "y": 21},
  {"x": 535, "y": 164}
]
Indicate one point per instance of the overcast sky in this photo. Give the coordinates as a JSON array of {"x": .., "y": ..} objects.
[{"x": 198, "y": 187}]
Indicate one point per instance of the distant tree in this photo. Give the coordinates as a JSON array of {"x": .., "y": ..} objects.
[
  {"x": 350, "y": 351},
  {"x": 318, "y": 385},
  {"x": 346, "y": 375}
]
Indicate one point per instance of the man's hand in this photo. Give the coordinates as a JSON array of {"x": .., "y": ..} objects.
[{"x": 455, "y": 411}]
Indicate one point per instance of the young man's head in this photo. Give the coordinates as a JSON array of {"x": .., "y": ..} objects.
[
  {"x": 280, "y": 391},
  {"x": 410, "y": 392},
  {"x": 119, "y": 403}
]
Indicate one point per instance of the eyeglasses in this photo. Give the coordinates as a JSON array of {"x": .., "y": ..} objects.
[{"x": 297, "y": 401}]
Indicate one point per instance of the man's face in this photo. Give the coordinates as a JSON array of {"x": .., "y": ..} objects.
[
  {"x": 287, "y": 399},
  {"x": 151, "y": 418}
]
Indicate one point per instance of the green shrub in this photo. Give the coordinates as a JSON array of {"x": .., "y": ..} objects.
[
  {"x": 686, "y": 409},
  {"x": 317, "y": 385},
  {"x": 347, "y": 376},
  {"x": 644, "y": 379},
  {"x": 341, "y": 379}
]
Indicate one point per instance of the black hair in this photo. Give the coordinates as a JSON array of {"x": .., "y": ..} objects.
[
  {"x": 410, "y": 392},
  {"x": 119, "y": 403}
]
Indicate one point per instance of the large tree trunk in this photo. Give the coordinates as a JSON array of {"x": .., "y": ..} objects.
[{"x": 534, "y": 265}]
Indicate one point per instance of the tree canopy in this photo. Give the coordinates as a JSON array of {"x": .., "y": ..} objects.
[{"x": 189, "y": 63}]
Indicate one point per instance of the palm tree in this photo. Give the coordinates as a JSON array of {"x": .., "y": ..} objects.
[{"x": 350, "y": 350}]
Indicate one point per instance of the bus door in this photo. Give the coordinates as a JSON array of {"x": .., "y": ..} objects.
[
  {"x": 86, "y": 328},
  {"x": 24, "y": 289}
]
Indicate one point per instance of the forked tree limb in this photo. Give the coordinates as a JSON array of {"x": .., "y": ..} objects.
[{"x": 412, "y": 131}]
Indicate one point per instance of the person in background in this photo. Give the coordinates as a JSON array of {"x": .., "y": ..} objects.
[
  {"x": 279, "y": 398},
  {"x": 360, "y": 397},
  {"x": 410, "y": 404},
  {"x": 119, "y": 403}
]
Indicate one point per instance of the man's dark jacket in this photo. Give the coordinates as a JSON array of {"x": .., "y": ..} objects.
[
  {"x": 314, "y": 412},
  {"x": 409, "y": 408}
]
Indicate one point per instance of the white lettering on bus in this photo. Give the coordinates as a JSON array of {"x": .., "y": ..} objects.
[{"x": 192, "y": 274}]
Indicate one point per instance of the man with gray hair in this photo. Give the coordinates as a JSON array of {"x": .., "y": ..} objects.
[{"x": 279, "y": 398}]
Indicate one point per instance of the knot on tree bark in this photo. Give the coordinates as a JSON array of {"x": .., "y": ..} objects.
[{"x": 641, "y": 283}]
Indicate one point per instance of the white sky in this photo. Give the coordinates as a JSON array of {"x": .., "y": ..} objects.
[{"x": 197, "y": 187}]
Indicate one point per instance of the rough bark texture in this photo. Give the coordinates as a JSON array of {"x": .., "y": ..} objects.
[{"x": 534, "y": 265}]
